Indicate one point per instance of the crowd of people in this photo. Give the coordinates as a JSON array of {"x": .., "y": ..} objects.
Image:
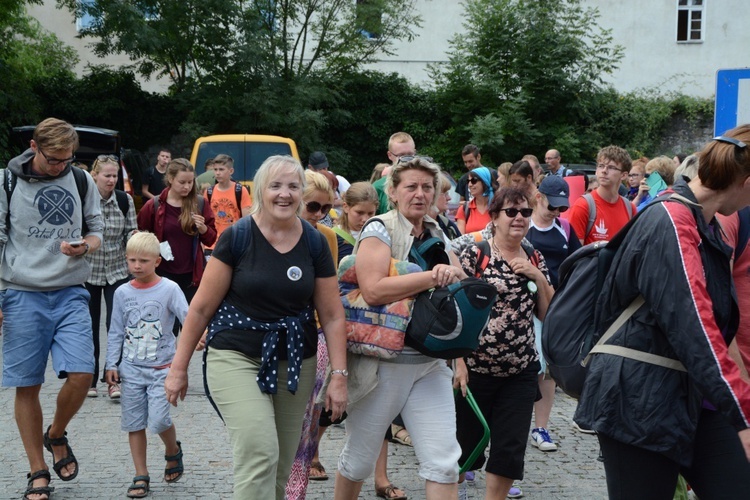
[{"x": 251, "y": 280}]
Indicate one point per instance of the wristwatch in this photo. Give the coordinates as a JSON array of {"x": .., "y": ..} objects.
[
  {"x": 87, "y": 247},
  {"x": 345, "y": 373}
]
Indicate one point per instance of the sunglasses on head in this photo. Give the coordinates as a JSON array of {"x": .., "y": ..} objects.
[
  {"x": 512, "y": 212},
  {"x": 552, "y": 209},
  {"x": 408, "y": 158},
  {"x": 314, "y": 206},
  {"x": 112, "y": 158}
]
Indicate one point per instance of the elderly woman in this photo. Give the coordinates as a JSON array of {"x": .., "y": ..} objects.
[
  {"x": 414, "y": 385},
  {"x": 109, "y": 269},
  {"x": 260, "y": 360},
  {"x": 502, "y": 372},
  {"x": 653, "y": 422},
  {"x": 474, "y": 215}
]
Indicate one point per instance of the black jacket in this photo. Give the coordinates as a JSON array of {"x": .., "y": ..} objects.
[{"x": 680, "y": 265}]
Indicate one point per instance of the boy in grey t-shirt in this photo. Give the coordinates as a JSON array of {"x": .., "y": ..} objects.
[{"x": 139, "y": 352}]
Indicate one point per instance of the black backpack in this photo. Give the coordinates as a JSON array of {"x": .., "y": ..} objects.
[
  {"x": 238, "y": 188},
  {"x": 571, "y": 331}
]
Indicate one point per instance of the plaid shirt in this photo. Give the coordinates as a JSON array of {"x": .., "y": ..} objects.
[{"x": 108, "y": 264}]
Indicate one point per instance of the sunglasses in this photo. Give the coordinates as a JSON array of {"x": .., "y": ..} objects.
[
  {"x": 108, "y": 158},
  {"x": 512, "y": 212},
  {"x": 56, "y": 161},
  {"x": 407, "y": 159},
  {"x": 474, "y": 180},
  {"x": 552, "y": 209},
  {"x": 314, "y": 206}
]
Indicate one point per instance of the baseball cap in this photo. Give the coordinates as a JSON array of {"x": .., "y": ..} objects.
[
  {"x": 556, "y": 190},
  {"x": 318, "y": 160}
]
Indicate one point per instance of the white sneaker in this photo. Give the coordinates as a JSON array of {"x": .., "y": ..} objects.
[
  {"x": 463, "y": 491},
  {"x": 542, "y": 440},
  {"x": 114, "y": 391},
  {"x": 92, "y": 393},
  {"x": 582, "y": 429}
]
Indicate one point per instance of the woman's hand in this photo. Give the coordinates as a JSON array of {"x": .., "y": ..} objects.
[
  {"x": 175, "y": 386},
  {"x": 460, "y": 375},
  {"x": 200, "y": 223},
  {"x": 336, "y": 396},
  {"x": 745, "y": 440},
  {"x": 444, "y": 274},
  {"x": 524, "y": 267},
  {"x": 202, "y": 342}
]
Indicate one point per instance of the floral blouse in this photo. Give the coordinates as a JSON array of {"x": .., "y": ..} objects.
[{"x": 506, "y": 346}]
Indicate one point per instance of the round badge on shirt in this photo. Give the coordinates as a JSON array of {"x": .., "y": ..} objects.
[{"x": 294, "y": 273}]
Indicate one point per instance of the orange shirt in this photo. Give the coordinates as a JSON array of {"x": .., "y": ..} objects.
[
  {"x": 610, "y": 218},
  {"x": 224, "y": 206}
]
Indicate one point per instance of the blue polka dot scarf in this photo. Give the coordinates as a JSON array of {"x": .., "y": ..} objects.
[{"x": 229, "y": 317}]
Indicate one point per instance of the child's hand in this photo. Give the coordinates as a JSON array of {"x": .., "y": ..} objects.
[
  {"x": 112, "y": 377},
  {"x": 202, "y": 342}
]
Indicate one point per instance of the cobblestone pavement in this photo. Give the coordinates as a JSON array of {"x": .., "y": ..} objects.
[{"x": 107, "y": 469}]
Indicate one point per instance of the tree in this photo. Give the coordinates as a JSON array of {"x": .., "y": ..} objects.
[
  {"x": 28, "y": 54},
  {"x": 520, "y": 75},
  {"x": 221, "y": 40}
]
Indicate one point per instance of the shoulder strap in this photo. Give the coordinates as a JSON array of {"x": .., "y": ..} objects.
[
  {"x": 345, "y": 235},
  {"x": 82, "y": 186},
  {"x": 237, "y": 195},
  {"x": 531, "y": 254},
  {"x": 566, "y": 227},
  {"x": 241, "y": 236},
  {"x": 743, "y": 232},
  {"x": 201, "y": 203},
  {"x": 9, "y": 184},
  {"x": 209, "y": 193},
  {"x": 466, "y": 210},
  {"x": 627, "y": 352},
  {"x": 312, "y": 237},
  {"x": 483, "y": 259},
  {"x": 122, "y": 202},
  {"x": 628, "y": 207},
  {"x": 592, "y": 213},
  {"x": 156, "y": 204}
]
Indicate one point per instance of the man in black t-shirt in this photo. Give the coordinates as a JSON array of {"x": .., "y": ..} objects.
[{"x": 153, "y": 182}]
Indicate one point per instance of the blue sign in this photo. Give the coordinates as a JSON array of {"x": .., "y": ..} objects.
[{"x": 732, "y": 99}]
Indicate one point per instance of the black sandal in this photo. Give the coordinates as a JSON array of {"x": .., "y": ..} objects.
[
  {"x": 39, "y": 490},
  {"x": 135, "y": 486},
  {"x": 70, "y": 459},
  {"x": 178, "y": 469}
]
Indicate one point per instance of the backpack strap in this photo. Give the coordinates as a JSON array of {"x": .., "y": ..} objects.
[
  {"x": 345, "y": 235},
  {"x": 628, "y": 207},
  {"x": 592, "y": 213},
  {"x": 242, "y": 234},
  {"x": 122, "y": 202},
  {"x": 743, "y": 232},
  {"x": 209, "y": 193},
  {"x": 626, "y": 352},
  {"x": 483, "y": 259},
  {"x": 9, "y": 184},
  {"x": 565, "y": 225},
  {"x": 237, "y": 195}
]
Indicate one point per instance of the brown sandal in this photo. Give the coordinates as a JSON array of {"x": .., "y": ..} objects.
[
  {"x": 400, "y": 435},
  {"x": 321, "y": 472},
  {"x": 389, "y": 492}
]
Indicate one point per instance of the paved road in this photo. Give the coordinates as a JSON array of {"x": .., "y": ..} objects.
[{"x": 106, "y": 467}]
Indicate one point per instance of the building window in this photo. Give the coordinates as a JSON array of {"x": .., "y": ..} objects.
[
  {"x": 369, "y": 18},
  {"x": 690, "y": 17},
  {"x": 84, "y": 20}
]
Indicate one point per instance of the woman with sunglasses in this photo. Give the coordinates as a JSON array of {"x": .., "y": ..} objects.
[
  {"x": 109, "y": 269},
  {"x": 317, "y": 200},
  {"x": 473, "y": 215},
  {"x": 555, "y": 239},
  {"x": 182, "y": 219},
  {"x": 502, "y": 372}
]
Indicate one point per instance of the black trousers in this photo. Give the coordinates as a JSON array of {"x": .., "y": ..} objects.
[
  {"x": 720, "y": 469},
  {"x": 95, "y": 308}
]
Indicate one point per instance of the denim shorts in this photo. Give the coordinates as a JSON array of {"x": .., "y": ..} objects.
[
  {"x": 37, "y": 323},
  {"x": 142, "y": 398}
]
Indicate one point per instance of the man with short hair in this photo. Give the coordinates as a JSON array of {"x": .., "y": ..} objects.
[
  {"x": 229, "y": 200},
  {"x": 472, "y": 159},
  {"x": 399, "y": 144},
  {"x": 552, "y": 158},
  {"x": 153, "y": 181},
  {"x": 49, "y": 219},
  {"x": 611, "y": 211}
]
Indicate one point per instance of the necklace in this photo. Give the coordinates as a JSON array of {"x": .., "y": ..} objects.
[{"x": 496, "y": 248}]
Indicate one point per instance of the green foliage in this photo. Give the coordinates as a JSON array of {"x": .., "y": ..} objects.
[
  {"x": 520, "y": 73},
  {"x": 218, "y": 41},
  {"x": 28, "y": 53}
]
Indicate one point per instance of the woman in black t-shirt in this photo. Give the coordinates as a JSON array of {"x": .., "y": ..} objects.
[{"x": 259, "y": 300}]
